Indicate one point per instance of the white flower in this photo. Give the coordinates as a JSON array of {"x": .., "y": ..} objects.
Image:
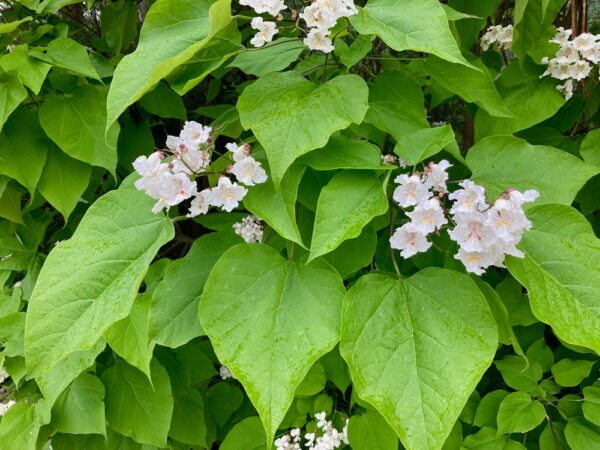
[
  {"x": 250, "y": 229},
  {"x": 200, "y": 203},
  {"x": 580, "y": 70},
  {"x": 5, "y": 407},
  {"x": 468, "y": 199},
  {"x": 428, "y": 216},
  {"x": 499, "y": 36},
  {"x": 316, "y": 15},
  {"x": 410, "y": 240},
  {"x": 265, "y": 33},
  {"x": 249, "y": 171},
  {"x": 191, "y": 161},
  {"x": 227, "y": 195},
  {"x": 436, "y": 175},
  {"x": 585, "y": 42},
  {"x": 472, "y": 232},
  {"x": 173, "y": 143},
  {"x": 193, "y": 135},
  {"x": 566, "y": 89},
  {"x": 225, "y": 373},
  {"x": 271, "y": 7},
  {"x": 562, "y": 36},
  {"x": 170, "y": 190},
  {"x": 411, "y": 190},
  {"x": 474, "y": 262},
  {"x": 519, "y": 198},
  {"x": 238, "y": 152},
  {"x": 567, "y": 54},
  {"x": 149, "y": 166},
  {"x": 389, "y": 159},
  {"x": 317, "y": 39}
]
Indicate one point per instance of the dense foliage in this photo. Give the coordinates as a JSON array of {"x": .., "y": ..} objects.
[{"x": 271, "y": 224}]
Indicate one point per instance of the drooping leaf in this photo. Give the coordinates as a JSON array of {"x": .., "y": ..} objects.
[
  {"x": 420, "y": 25},
  {"x": 271, "y": 58},
  {"x": 9, "y": 27},
  {"x": 291, "y": 116},
  {"x": 503, "y": 162},
  {"x": 424, "y": 143},
  {"x": 416, "y": 349},
  {"x": 343, "y": 153},
  {"x": 173, "y": 32},
  {"x": 346, "y": 205},
  {"x": 90, "y": 281},
  {"x": 31, "y": 71},
  {"x": 76, "y": 123},
  {"x": 173, "y": 311},
  {"x": 68, "y": 54},
  {"x": 258, "y": 309},
  {"x": 134, "y": 406},
  {"x": 560, "y": 271}
]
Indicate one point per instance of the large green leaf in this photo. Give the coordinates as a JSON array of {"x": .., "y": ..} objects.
[
  {"x": 420, "y": 25},
  {"x": 590, "y": 148},
  {"x": 474, "y": 86},
  {"x": 561, "y": 273},
  {"x": 278, "y": 208},
  {"x": 137, "y": 408},
  {"x": 90, "y": 281},
  {"x": 31, "y": 71},
  {"x": 18, "y": 428},
  {"x": 425, "y": 143},
  {"x": 68, "y": 54},
  {"x": 370, "y": 431},
  {"x": 532, "y": 19},
  {"x": 173, "y": 32},
  {"x": 76, "y": 123},
  {"x": 346, "y": 205},
  {"x": 247, "y": 434},
  {"x": 343, "y": 153},
  {"x": 63, "y": 180},
  {"x": 270, "y": 320},
  {"x": 291, "y": 116},
  {"x": 503, "y": 162},
  {"x": 417, "y": 348},
  {"x": 12, "y": 93},
  {"x": 519, "y": 413},
  {"x": 23, "y": 149},
  {"x": 396, "y": 104},
  {"x": 80, "y": 409},
  {"x": 174, "y": 308},
  {"x": 271, "y": 58}
]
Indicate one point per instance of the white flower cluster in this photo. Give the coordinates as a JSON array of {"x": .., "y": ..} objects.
[
  {"x": 226, "y": 374},
  {"x": 250, "y": 229},
  {"x": 573, "y": 60},
  {"x": 329, "y": 439},
  {"x": 172, "y": 182},
  {"x": 320, "y": 17},
  {"x": 485, "y": 233},
  {"x": 497, "y": 36}
]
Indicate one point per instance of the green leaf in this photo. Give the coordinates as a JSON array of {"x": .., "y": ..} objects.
[
  {"x": 23, "y": 149},
  {"x": 278, "y": 209},
  {"x": 518, "y": 373},
  {"x": 9, "y": 27},
  {"x": 487, "y": 410},
  {"x": 472, "y": 85},
  {"x": 174, "y": 308},
  {"x": 31, "y": 71},
  {"x": 90, "y": 281},
  {"x": 134, "y": 406},
  {"x": 70, "y": 55},
  {"x": 590, "y": 148},
  {"x": 553, "y": 436},
  {"x": 63, "y": 181},
  {"x": 591, "y": 404},
  {"x": 518, "y": 413},
  {"x": 224, "y": 399},
  {"x": 164, "y": 102},
  {"x": 419, "y": 25},
  {"x": 258, "y": 309},
  {"x": 424, "y": 143},
  {"x": 542, "y": 354},
  {"x": 188, "y": 423},
  {"x": 350, "y": 56},
  {"x": 354, "y": 254},
  {"x": 118, "y": 24},
  {"x": 11, "y": 334},
  {"x": 247, "y": 434},
  {"x": 343, "y": 153},
  {"x": 560, "y": 271},
  {"x": 532, "y": 18},
  {"x": 488, "y": 439},
  {"x": 18, "y": 430},
  {"x": 570, "y": 373},
  {"x": 12, "y": 93},
  {"x": 75, "y": 122},
  {"x": 346, "y": 205},
  {"x": 417, "y": 348},
  {"x": 273, "y": 57},
  {"x": 291, "y": 116},
  {"x": 370, "y": 431},
  {"x": 503, "y": 162},
  {"x": 129, "y": 336},
  {"x": 581, "y": 435},
  {"x": 80, "y": 409},
  {"x": 173, "y": 32},
  {"x": 396, "y": 105}
]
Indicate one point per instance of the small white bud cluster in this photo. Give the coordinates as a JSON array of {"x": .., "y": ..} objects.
[
  {"x": 497, "y": 36},
  {"x": 485, "y": 233},
  {"x": 573, "y": 60},
  {"x": 320, "y": 16},
  {"x": 172, "y": 182},
  {"x": 393, "y": 160},
  {"x": 250, "y": 229},
  {"x": 226, "y": 374},
  {"x": 328, "y": 437}
]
